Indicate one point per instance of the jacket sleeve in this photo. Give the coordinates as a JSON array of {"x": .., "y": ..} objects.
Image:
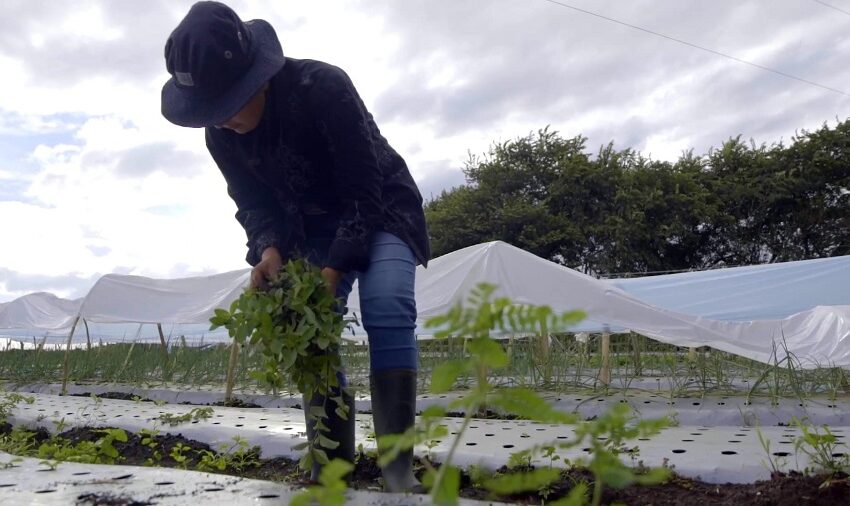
[
  {"x": 258, "y": 211},
  {"x": 343, "y": 121}
]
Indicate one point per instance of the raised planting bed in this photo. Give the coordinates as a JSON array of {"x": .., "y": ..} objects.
[
  {"x": 709, "y": 410},
  {"x": 247, "y": 479},
  {"x": 715, "y": 454}
]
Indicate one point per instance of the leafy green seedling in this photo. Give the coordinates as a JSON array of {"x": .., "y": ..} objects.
[
  {"x": 331, "y": 488},
  {"x": 297, "y": 328}
]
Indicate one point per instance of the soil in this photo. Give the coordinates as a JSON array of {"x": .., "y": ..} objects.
[
  {"x": 791, "y": 489},
  {"x": 108, "y": 500},
  {"x": 124, "y": 396},
  {"x": 488, "y": 415},
  {"x": 233, "y": 403},
  {"x": 121, "y": 396}
]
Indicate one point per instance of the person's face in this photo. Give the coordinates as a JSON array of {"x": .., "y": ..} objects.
[{"x": 249, "y": 117}]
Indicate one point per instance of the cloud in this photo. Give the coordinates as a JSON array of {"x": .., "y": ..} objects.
[
  {"x": 69, "y": 286},
  {"x": 99, "y": 251},
  {"x": 95, "y": 180},
  {"x": 166, "y": 210},
  {"x": 63, "y": 43},
  {"x": 472, "y": 65},
  {"x": 165, "y": 156},
  {"x": 440, "y": 176}
]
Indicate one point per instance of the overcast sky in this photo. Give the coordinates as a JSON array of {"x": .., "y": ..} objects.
[{"x": 93, "y": 180}]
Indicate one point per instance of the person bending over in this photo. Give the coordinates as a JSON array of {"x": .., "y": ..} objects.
[{"x": 311, "y": 176}]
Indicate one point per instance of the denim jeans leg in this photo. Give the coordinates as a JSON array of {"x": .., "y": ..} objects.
[{"x": 388, "y": 304}]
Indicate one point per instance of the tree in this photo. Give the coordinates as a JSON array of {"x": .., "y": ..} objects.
[{"x": 620, "y": 212}]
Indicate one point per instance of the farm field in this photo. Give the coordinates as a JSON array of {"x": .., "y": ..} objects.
[{"x": 735, "y": 430}]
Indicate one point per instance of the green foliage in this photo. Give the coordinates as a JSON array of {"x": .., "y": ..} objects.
[
  {"x": 18, "y": 441},
  {"x": 13, "y": 462},
  {"x": 822, "y": 448},
  {"x": 179, "y": 453},
  {"x": 194, "y": 415},
  {"x": 331, "y": 488},
  {"x": 619, "y": 211},
  {"x": 236, "y": 456},
  {"x": 148, "y": 438},
  {"x": 8, "y": 401},
  {"x": 606, "y": 435},
  {"x": 297, "y": 329},
  {"x": 100, "y": 451},
  {"x": 522, "y": 482}
]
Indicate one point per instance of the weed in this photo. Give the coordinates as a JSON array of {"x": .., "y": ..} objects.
[
  {"x": 194, "y": 415},
  {"x": 774, "y": 464},
  {"x": 50, "y": 464},
  {"x": 148, "y": 438},
  {"x": 13, "y": 462},
  {"x": 821, "y": 448},
  {"x": 331, "y": 488},
  {"x": 8, "y": 401},
  {"x": 236, "y": 456},
  {"x": 179, "y": 454}
]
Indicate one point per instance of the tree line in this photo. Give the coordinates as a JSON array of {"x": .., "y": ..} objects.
[{"x": 621, "y": 212}]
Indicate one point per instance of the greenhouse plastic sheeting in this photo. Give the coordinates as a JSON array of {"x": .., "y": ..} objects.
[
  {"x": 817, "y": 336},
  {"x": 757, "y": 292},
  {"x": 39, "y": 311},
  {"x": 120, "y": 298}
]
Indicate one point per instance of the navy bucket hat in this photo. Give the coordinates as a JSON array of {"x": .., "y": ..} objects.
[{"x": 217, "y": 63}]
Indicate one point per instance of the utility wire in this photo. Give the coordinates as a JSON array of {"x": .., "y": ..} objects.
[
  {"x": 696, "y": 46},
  {"x": 832, "y": 7}
]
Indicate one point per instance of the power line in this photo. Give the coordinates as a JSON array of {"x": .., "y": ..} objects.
[
  {"x": 832, "y": 7},
  {"x": 702, "y": 48}
]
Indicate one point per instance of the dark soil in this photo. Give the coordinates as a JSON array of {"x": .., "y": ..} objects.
[
  {"x": 233, "y": 403},
  {"x": 108, "y": 500},
  {"x": 488, "y": 415},
  {"x": 791, "y": 490},
  {"x": 122, "y": 396},
  {"x": 236, "y": 403}
]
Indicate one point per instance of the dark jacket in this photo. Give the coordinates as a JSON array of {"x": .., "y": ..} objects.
[{"x": 317, "y": 165}]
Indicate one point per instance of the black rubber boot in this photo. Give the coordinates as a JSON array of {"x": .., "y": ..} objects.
[
  {"x": 340, "y": 430},
  {"x": 393, "y": 412}
]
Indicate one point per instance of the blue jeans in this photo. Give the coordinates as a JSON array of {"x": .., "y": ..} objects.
[{"x": 387, "y": 301}]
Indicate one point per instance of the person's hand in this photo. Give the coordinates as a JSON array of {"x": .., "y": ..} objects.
[
  {"x": 267, "y": 268},
  {"x": 332, "y": 277}
]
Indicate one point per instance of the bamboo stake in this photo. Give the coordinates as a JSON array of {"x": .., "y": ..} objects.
[
  {"x": 543, "y": 348},
  {"x": 66, "y": 367},
  {"x": 164, "y": 352},
  {"x": 231, "y": 372},
  {"x": 605, "y": 370},
  {"x": 636, "y": 350},
  {"x": 88, "y": 336},
  {"x": 126, "y": 360}
]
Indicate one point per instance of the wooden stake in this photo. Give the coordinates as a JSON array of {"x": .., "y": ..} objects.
[
  {"x": 164, "y": 352},
  {"x": 605, "y": 370},
  {"x": 66, "y": 367},
  {"x": 231, "y": 372},
  {"x": 636, "y": 351},
  {"x": 692, "y": 354}
]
